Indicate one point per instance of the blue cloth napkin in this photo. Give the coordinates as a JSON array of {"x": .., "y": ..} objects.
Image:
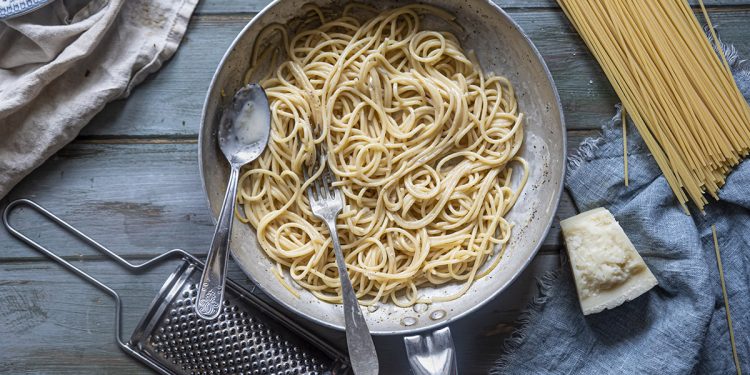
[{"x": 680, "y": 326}]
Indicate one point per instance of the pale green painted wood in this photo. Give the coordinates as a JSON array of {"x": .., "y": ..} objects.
[{"x": 136, "y": 198}]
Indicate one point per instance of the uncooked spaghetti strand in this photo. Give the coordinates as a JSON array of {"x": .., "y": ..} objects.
[
  {"x": 624, "y": 120},
  {"x": 726, "y": 301}
]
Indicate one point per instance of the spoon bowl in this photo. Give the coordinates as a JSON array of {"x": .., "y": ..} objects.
[
  {"x": 245, "y": 126},
  {"x": 243, "y": 135}
]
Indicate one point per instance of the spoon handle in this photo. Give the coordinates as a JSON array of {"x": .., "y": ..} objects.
[{"x": 211, "y": 291}]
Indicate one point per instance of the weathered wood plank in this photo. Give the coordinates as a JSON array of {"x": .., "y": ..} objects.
[
  {"x": 137, "y": 198},
  {"x": 140, "y": 194},
  {"x": 53, "y": 322},
  {"x": 169, "y": 103},
  {"x": 134, "y": 198},
  {"x": 233, "y": 6}
]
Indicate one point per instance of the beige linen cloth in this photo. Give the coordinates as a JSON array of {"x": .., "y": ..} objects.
[{"x": 61, "y": 64}]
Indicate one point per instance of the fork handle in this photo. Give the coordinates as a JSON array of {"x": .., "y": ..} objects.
[{"x": 362, "y": 352}]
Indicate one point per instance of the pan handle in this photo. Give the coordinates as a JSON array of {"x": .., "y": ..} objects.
[{"x": 432, "y": 353}]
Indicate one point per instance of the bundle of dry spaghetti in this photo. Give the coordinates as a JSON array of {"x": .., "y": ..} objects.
[{"x": 676, "y": 88}]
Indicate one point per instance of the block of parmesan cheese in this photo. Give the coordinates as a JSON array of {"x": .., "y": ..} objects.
[{"x": 608, "y": 271}]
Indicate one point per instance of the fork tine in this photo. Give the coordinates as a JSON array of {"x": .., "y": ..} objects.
[
  {"x": 310, "y": 196},
  {"x": 323, "y": 155},
  {"x": 323, "y": 189},
  {"x": 323, "y": 152},
  {"x": 321, "y": 186},
  {"x": 321, "y": 192},
  {"x": 328, "y": 180}
]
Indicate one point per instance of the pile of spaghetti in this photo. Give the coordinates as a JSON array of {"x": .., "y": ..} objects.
[
  {"x": 677, "y": 89},
  {"x": 423, "y": 144}
]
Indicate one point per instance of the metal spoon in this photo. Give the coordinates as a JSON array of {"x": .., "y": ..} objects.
[{"x": 243, "y": 134}]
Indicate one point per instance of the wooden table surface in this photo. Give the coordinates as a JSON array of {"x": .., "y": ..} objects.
[{"x": 131, "y": 181}]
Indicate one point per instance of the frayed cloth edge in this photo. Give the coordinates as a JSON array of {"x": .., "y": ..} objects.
[
  {"x": 585, "y": 152},
  {"x": 516, "y": 339}
]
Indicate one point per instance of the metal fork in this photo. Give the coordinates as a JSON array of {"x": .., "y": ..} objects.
[{"x": 326, "y": 202}]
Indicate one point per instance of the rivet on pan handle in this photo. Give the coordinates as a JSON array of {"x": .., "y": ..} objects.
[{"x": 432, "y": 353}]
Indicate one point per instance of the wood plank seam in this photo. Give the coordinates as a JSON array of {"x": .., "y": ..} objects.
[{"x": 231, "y": 16}]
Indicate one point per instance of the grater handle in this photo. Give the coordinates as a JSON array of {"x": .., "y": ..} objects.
[
  {"x": 92, "y": 280},
  {"x": 432, "y": 353}
]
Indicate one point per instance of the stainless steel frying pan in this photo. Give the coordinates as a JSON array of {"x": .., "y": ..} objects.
[{"x": 502, "y": 48}]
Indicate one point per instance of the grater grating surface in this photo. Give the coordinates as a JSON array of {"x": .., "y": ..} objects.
[{"x": 243, "y": 339}]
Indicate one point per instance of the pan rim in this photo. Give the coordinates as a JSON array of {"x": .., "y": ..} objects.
[{"x": 499, "y": 12}]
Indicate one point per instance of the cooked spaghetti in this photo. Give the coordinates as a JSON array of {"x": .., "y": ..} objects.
[
  {"x": 423, "y": 143},
  {"x": 678, "y": 91}
]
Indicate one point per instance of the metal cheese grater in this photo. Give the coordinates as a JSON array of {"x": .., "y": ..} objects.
[{"x": 248, "y": 337}]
